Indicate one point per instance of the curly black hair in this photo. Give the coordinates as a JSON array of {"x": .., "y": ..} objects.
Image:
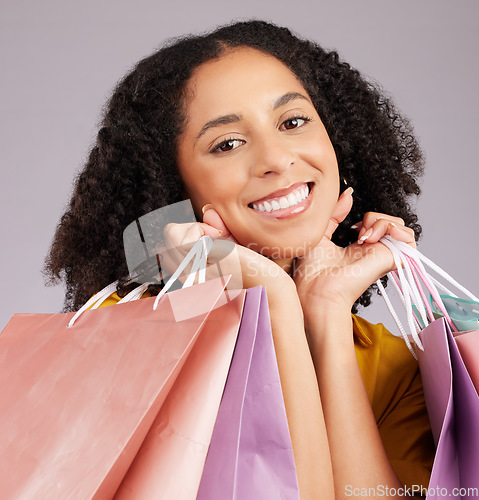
[{"x": 132, "y": 170}]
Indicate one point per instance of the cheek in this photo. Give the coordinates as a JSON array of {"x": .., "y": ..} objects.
[{"x": 208, "y": 185}]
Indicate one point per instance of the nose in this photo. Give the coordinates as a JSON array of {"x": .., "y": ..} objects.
[{"x": 273, "y": 155}]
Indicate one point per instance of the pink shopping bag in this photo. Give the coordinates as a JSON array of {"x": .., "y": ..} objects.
[
  {"x": 77, "y": 403},
  {"x": 251, "y": 456},
  {"x": 170, "y": 461},
  {"x": 468, "y": 345}
]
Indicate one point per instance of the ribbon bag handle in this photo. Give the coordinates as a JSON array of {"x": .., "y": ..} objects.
[
  {"x": 199, "y": 252},
  {"x": 409, "y": 277}
]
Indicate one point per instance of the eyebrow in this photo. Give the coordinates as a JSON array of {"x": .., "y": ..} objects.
[
  {"x": 221, "y": 120},
  {"x": 233, "y": 118},
  {"x": 286, "y": 98}
]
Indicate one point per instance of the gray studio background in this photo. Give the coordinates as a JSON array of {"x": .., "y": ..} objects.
[{"x": 60, "y": 60}]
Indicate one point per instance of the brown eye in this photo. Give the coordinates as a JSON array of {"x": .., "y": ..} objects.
[
  {"x": 292, "y": 123},
  {"x": 227, "y": 145}
]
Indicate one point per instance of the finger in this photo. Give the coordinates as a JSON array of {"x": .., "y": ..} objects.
[
  {"x": 181, "y": 238},
  {"x": 382, "y": 227},
  {"x": 213, "y": 219},
  {"x": 193, "y": 234},
  {"x": 370, "y": 218},
  {"x": 201, "y": 229},
  {"x": 357, "y": 226},
  {"x": 340, "y": 212},
  {"x": 403, "y": 233},
  {"x": 174, "y": 251},
  {"x": 181, "y": 234},
  {"x": 175, "y": 233}
]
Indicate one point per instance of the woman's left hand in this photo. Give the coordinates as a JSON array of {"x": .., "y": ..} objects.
[{"x": 331, "y": 277}]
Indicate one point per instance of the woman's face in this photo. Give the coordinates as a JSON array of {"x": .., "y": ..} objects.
[{"x": 255, "y": 148}]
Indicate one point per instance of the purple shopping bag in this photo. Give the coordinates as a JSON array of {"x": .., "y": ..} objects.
[
  {"x": 453, "y": 407},
  {"x": 250, "y": 455}
]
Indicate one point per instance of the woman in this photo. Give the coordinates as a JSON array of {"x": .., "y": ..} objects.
[{"x": 262, "y": 131}]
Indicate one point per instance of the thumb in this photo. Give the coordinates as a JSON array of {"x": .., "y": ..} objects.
[
  {"x": 340, "y": 212},
  {"x": 213, "y": 218}
]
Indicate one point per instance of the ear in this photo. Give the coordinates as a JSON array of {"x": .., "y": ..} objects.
[{"x": 340, "y": 212}]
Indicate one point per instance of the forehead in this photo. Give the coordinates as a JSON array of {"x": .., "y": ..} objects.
[{"x": 241, "y": 77}]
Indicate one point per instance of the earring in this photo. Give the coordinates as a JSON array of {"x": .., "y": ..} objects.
[{"x": 343, "y": 185}]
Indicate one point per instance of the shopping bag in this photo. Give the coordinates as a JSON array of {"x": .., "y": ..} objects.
[
  {"x": 77, "y": 403},
  {"x": 170, "y": 461},
  {"x": 250, "y": 455},
  {"x": 468, "y": 345},
  {"x": 463, "y": 312},
  {"x": 451, "y": 398},
  {"x": 464, "y": 315},
  {"x": 453, "y": 407}
]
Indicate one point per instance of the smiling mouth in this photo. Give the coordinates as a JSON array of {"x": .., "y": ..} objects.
[{"x": 291, "y": 200}]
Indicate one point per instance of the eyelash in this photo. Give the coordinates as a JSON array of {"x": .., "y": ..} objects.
[
  {"x": 304, "y": 118},
  {"x": 217, "y": 147}
]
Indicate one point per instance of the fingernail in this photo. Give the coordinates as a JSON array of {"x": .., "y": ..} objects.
[
  {"x": 206, "y": 207},
  {"x": 392, "y": 224},
  {"x": 366, "y": 235},
  {"x": 220, "y": 232},
  {"x": 350, "y": 190},
  {"x": 354, "y": 226}
]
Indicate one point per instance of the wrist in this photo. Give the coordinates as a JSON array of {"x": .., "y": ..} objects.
[
  {"x": 283, "y": 296},
  {"x": 326, "y": 312},
  {"x": 329, "y": 325},
  {"x": 324, "y": 301}
]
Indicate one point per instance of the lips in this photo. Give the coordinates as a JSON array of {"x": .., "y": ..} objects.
[{"x": 282, "y": 199}]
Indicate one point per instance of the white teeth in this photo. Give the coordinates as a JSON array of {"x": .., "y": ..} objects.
[
  {"x": 284, "y": 202},
  {"x": 290, "y": 200},
  {"x": 275, "y": 205}
]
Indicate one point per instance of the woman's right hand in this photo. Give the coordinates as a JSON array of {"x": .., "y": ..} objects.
[{"x": 247, "y": 267}]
